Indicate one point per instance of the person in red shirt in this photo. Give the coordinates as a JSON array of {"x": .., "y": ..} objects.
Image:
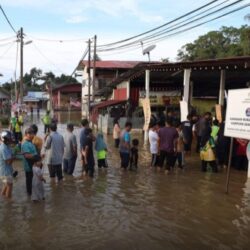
[{"x": 241, "y": 161}]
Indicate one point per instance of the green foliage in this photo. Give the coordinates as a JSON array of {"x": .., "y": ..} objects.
[
  {"x": 31, "y": 79},
  {"x": 227, "y": 42},
  {"x": 165, "y": 60},
  {"x": 97, "y": 57}
]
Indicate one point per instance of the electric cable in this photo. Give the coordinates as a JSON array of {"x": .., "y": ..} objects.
[
  {"x": 7, "y": 50},
  {"x": 159, "y": 27},
  {"x": 46, "y": 58},
  {"x": 7, "y": 38},
  {"x": 202, "y": 23},
  {"x": 82, "y": 58},
  {"x": 7, "y": 19},
  {"x": 58, "y": 40},
  {"x": 178, "y": 32},
  {"x": 6, "y": 44},
  {"x": 168, "y": 30}
]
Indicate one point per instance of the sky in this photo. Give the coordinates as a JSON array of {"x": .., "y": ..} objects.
[{"x": 59, "y": 30}]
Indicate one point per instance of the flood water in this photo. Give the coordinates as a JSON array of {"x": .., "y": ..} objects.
[{"x": 130, "y": 210}]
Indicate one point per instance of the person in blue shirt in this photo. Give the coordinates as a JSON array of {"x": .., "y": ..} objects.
[
  {"x": 29, "y": 156},
  {"x": 125, "y": 145},
  {"x": 6, "y": 159}
]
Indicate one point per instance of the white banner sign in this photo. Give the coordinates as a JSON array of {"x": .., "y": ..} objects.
[
  {"x": 147, "y": 112},
  {"x": 184, "y": 110},
  {"x": 237, "y": 122}
]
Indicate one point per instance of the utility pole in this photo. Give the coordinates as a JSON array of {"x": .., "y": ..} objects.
[
  {"x": 94, "y": 70},
  {"x": 89, "y": 77},
  {"x": 21, "y": 66}
]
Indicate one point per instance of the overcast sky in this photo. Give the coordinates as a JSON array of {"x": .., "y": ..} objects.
[{"x": 78, "y": 20}]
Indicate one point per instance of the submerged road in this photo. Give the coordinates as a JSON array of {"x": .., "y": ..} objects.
[{"x": 146, "y": 209}]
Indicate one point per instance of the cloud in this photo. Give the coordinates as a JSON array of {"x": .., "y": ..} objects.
[
  {"x": 76, "y": 19},
  {"x": 75, "y": 11}
]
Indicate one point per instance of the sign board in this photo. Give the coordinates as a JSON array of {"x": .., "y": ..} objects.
[
  {"x": 147, "y": 112},
  {"x": 184, "y": 110},
  {"x": 163, "y": 98},
  {"x": 237, "y": 122}
]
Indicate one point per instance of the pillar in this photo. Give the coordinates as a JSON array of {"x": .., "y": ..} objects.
[
  {"x": 147, "y": 83},
  {"x": 128, "y": 89},
  {"x": 83, "y": 102},
  {"x": 191, "y": 92},
  {"x": 222, "y": 87},
  {"x": 59, "y": 98},
  {"x": 186, "y": 85},
  {"x": 147, "y": 80}
]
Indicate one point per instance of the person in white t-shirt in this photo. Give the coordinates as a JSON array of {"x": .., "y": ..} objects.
[
  {"x": 154, "y": 143},
  {"x": 116, "y": 133}
]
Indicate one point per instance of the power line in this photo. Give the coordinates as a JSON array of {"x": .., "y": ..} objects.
[
  {"x": 159, "y": 27},
  {"x": 82, "y": 58},
  {"x": 58, "y": 40},
  {"x": 202, "y": 23},
  {"x": 7, "y": 50},
  {"x": 7, "y": 38},
  {"x": 7, "y": 19},
  {"x": 165, "y": 31},
  {"x": 169, "y": 30},
  {"x": 45, "y": 57},
  {"x": 6, "y": 44},
  {"x": 182, "y": 31}
]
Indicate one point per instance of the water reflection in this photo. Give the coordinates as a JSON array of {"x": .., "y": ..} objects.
[{"x": 130, "y": 210}]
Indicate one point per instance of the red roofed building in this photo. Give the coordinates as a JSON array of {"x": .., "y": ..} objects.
[{"x": 106, "y": 72}]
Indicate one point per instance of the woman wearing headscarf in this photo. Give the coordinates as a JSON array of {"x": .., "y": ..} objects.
[{"x": 207, "y": 150}]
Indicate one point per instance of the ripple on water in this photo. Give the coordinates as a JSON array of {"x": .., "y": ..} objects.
[{"x": 130, "y": 210}]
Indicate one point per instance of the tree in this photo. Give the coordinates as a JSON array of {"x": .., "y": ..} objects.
[
  {"x": 227, "y": 42},
  {"x": 63, "y": 79},
  {"x": 165, "y": 60},
  {"x": 30, "y": 81},
  {"x": 97, "y": 57}
]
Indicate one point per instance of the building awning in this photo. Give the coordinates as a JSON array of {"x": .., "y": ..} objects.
[
  {"x": 30, "y": 99},
  {"x": 108, "y": 103}
]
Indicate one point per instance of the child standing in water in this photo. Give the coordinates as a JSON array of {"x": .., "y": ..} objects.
[
  {"x": 101, "y": 148},
  {"x": 134, "y": 154},
  {"x": 37, "y": 181}
]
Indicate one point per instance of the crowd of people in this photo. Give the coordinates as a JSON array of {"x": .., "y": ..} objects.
[{"x": 170, "y": 141}]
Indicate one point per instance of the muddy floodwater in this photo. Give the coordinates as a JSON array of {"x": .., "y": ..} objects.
[{"x": 146, "y": 209}]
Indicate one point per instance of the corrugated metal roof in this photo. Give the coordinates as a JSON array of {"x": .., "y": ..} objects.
[
  {"x": 37, "y": 94},
  {"x": 111, "y": 64}
]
